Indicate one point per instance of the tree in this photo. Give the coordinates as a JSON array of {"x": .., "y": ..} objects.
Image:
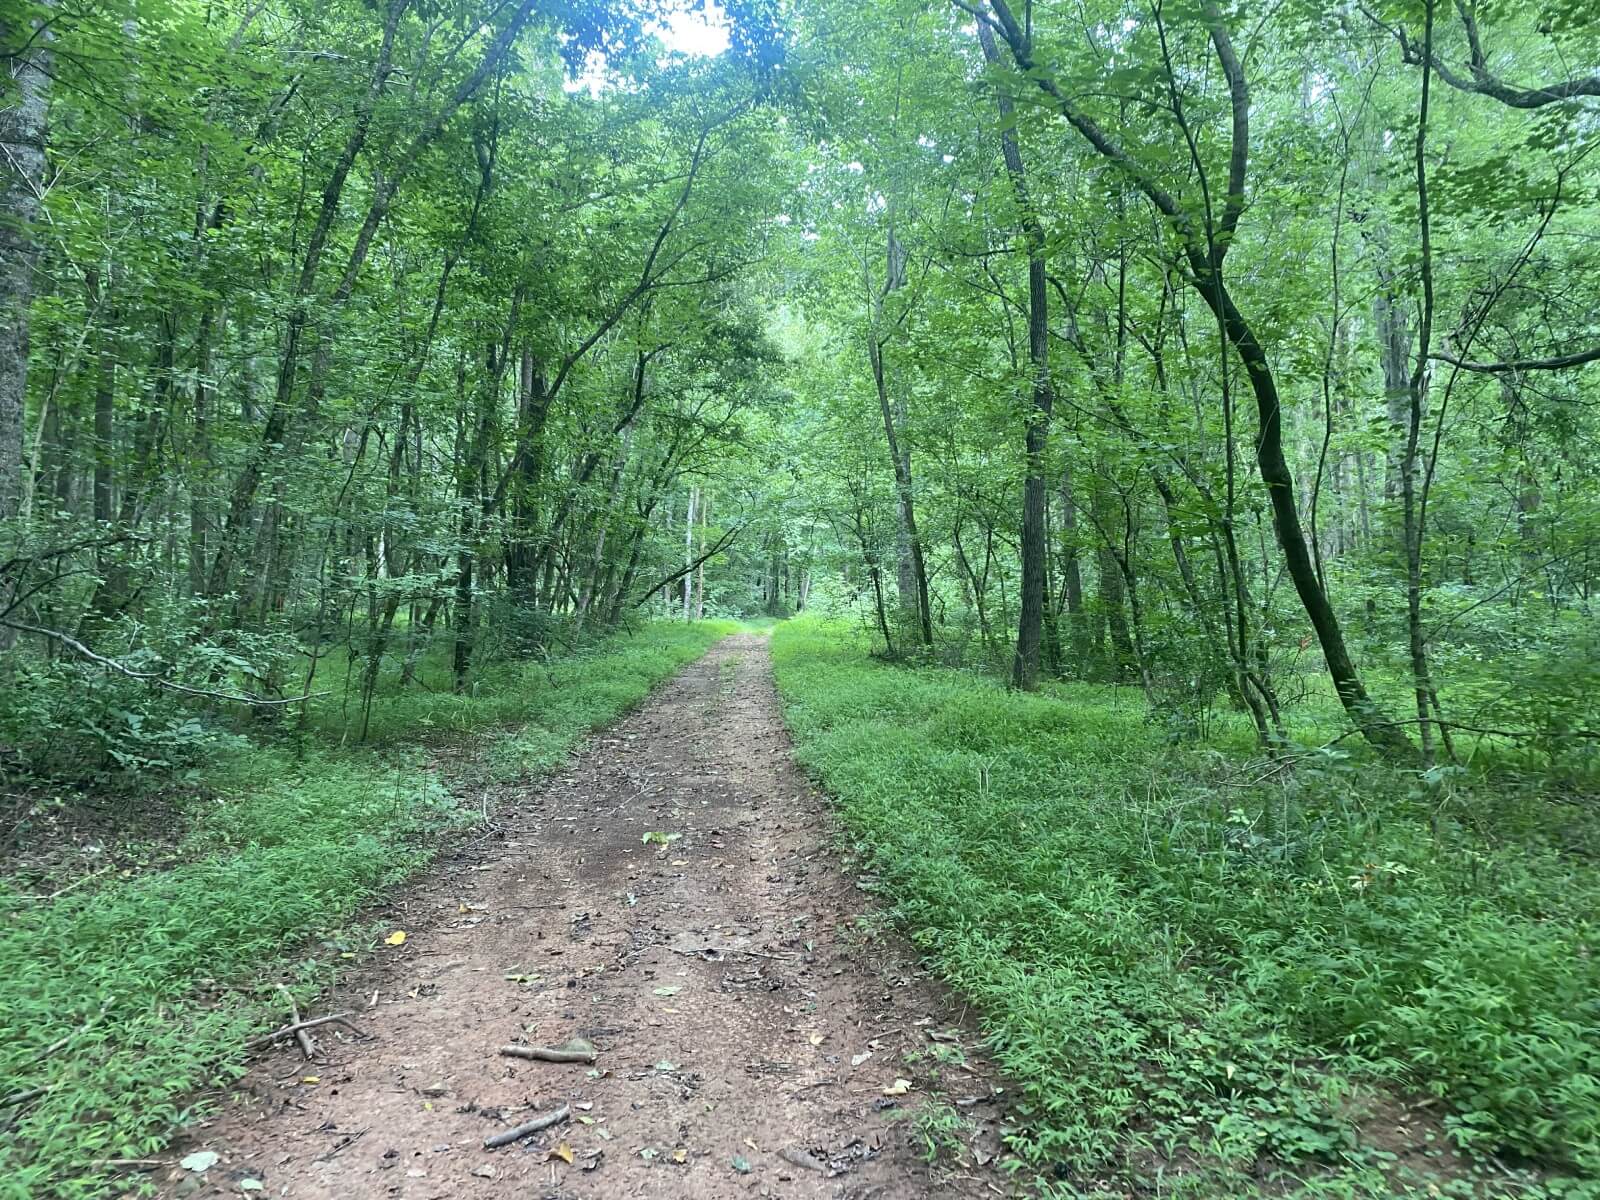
[
  {"x": 1205, "y": 244},
  {"x": 26, "y": 42}
]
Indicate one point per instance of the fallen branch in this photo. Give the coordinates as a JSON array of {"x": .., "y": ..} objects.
[
  {"x": 350, "y": 1139},
  {"x": 555, "y": 1054},
  {"x": 152, "y": 677},
  {"x": 298, "y": 1028},
  {"x": 266, "y": 1039},
  {"x": 22, "y": 1097},
  {"x": 701, "y": 951},
  {"x": 527, "y": 1128}
]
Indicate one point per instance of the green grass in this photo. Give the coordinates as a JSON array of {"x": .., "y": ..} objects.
[
  {"x": 148, "y": 987},
  {"x": 1202, "y": 984}
]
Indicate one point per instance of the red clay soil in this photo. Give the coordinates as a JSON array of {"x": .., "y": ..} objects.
[{"x": 751, "y": 1040}]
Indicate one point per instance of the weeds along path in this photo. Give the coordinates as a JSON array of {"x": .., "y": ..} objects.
[{"x": 749, "y": 1041}]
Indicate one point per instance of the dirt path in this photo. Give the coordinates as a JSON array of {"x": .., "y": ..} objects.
[{"x": 722, "y": 978}]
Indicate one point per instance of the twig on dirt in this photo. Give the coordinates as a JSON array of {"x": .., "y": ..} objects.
[
  {"x": 265, "y": 1039},
  {"x": 307, "y": 1046},
  {"x": 704, "y": 950},
  {"x": 350, "y": 1140},
  {"x": 555, "y": 1054},
  {"x": 22, "y": 1097},
  {"x": 815, "y": 1083},
  {"x": 545, "y": 1121}
]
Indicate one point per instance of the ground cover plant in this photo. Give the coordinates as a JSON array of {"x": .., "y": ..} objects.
[
  {"x": 1213, "y": 986},
  {"x": 149, "y": 986}
]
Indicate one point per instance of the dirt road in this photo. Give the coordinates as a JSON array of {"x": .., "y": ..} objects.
[{"x": 751, "y": 1040}]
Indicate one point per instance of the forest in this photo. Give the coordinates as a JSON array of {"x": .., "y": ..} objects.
[{"x": 1139, "y": 461}]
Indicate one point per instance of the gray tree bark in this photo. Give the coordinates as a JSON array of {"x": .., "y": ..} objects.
[{"x": 22, "y": 144}]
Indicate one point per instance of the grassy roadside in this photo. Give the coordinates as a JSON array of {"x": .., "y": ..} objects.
[
  {"x": 1211, "y": 986},
  {"x": 125, "y": 998}
]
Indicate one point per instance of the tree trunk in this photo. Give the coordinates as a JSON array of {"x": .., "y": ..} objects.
[
  {"x": 1036, "y": 429},
  {"x": 913, "y": 576},
  {"x": 1206, "y": 253},
  {"x": 200, "y": 455},
  {"x": 700, "y": 568},
  {"x": 105, "y": 434},
  {"x": 688, "y": 552},
  {"x": 22, "y": 168},
  {"x": 1274, "y": 471},
  {"x": 527, "y": 465},
  {"x": 593, "y": 585},
  {"x": 1113, "y": 607},
  {"x": 1394, "y": 354},
  {"x": 1078, "y": 641}
]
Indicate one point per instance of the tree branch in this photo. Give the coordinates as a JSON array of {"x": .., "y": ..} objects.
[
  {"x": 1513, "y": 366},
  {"x": 151, "y": 677},
  {"x": 722, "y": 542},
  {"x": 1239, "y": 102},
  {"x": 1483, "y": 81},
  {"x": 1021, "y": 54}
]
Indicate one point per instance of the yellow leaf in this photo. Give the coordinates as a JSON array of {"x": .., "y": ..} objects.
[
  {"x": 563, "y": 1152},
  {"x": 311, "y": 1079},
  {"x": 679, "y": 1156},
  {"x": 898, "y": 1088},
  {"x": 397, "y": 938}
]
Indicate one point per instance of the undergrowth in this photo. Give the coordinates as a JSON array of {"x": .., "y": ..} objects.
[
  {"x": 1208, "y": 984},
  {"x": 125, "y": 998}
]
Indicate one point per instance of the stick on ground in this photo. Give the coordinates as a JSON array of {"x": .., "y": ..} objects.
[
  {"x": 264, "y": 1039},
  {"x": 555, "y": 1054},
  {"x": 548, "y": 1119},
  {"x": 307, "y": 1046}
]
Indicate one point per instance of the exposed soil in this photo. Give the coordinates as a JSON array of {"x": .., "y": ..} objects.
[
  {"x": 54, "y": 838},
  {"x": 723, "y": 978}
]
